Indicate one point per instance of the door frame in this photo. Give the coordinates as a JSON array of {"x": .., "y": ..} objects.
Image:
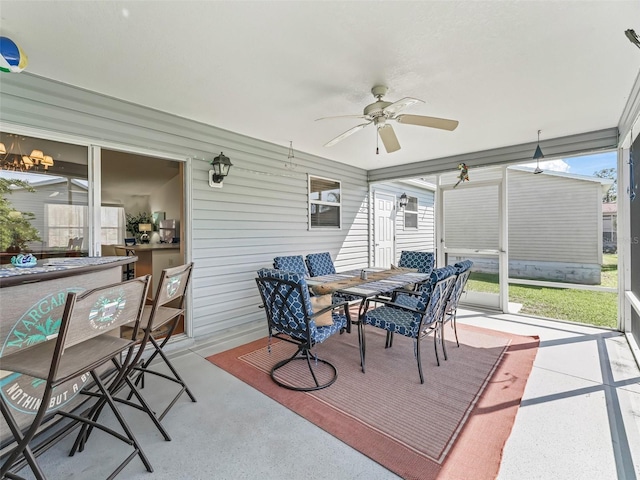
[
  {"x": 391, "y": 196},
  {"x": 503, "y": 239}
]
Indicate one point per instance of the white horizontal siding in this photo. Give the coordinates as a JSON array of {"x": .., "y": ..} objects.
[
  {"x": 422, "y": 238},
  {"x": 554, "y": 219},
  {"x": 260, "y": 213},
  {"x": 471, "y": 217}
]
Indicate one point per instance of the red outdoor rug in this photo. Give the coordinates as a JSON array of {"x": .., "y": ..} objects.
[{"x": 454, "y": 426}]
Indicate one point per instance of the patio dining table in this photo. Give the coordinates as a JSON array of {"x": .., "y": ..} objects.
[{"x": 352, "y": 285}]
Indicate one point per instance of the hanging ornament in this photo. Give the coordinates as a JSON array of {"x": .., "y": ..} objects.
[
  {"x": 12, "y": 58},
  {"x": 290, "y": 165},
  {"x": 464, "y": 174}
]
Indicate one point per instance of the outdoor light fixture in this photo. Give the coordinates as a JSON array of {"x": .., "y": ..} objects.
[
  {"x": 221, "y": 166},
  {"x": 538, "y": 155},
  {"x": 404, "y": 200}
]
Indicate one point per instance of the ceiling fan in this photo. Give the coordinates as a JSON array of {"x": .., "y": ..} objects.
[{"x": 380, "y": 111}]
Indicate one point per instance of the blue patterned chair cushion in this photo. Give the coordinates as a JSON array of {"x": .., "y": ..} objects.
[
  {"x": 293, "y": 263},
  {"x": 397, "y": 320},
  {"x": 320, "y": 264},
  {"x": 425, "y": 288},
  {"x": 463, "y": 266},
  {"x": 462, "y": 271},
  {"x": 423, "y": 261},
  {"x": 289, "y": 306}
]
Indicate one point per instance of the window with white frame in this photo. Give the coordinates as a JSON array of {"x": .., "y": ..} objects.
[
  {"x": 325, "y": 197},
  {"x": 411, "y": 213},
  {"x": 66, "y": 222}
]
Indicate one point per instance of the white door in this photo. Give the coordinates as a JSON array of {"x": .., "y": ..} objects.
[{"x": 384, "y": 235}]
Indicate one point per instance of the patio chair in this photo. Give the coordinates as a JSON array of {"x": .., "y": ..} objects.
[
  {"x": 463, "y": 269},
  {"x": 291, "y": 318},
  {"x": 293, "y": 263},
  {"x": 84, "y": 343},
  {"x": 320, "y": 264},
  {"x": 128, "y": 270},
  {"x": 159, "y": 321},
  {"x": 415, "y": 322},
  {"x": 410, "y": 298},
  {"x": 423, "y": 261}
]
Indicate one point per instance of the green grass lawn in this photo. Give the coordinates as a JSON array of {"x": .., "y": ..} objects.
[{"x": 583, "y": 306}]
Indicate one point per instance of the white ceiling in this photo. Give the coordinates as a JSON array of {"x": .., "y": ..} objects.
[{"x": 269, "y": 69}]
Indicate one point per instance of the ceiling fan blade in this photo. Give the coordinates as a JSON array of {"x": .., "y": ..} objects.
[
  {"x": 344, "y": 135},
  {"x": 433, "y": 122},
  {"x": 341, "y": 116},
  {"x": 389, "y": 139},
  {"x": 395, "y": 107}
]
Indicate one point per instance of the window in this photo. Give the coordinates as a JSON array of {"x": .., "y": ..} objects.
[
  {"x": 411, "y": 213},
  {"x": 112, "y": 229},
  {"x": 324, "y": 203},
  {"x": 65, "y": 222}
]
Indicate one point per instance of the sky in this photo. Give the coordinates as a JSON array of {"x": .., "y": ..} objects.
[{"x": 586, "y": 165}]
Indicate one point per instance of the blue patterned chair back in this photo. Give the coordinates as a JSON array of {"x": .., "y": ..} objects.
[
  {"x": 320, "y": 264},
  {"x": 427, "y": 287},
  {"x": 463, "y": 269},
  {"x": 285, "y": 297},
  {"x": 423, "y": 261},
  {"x": 293, "y": 263},
  {"x": 432, "y": 304}
]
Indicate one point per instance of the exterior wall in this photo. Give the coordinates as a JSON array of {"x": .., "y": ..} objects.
[
  {"x": 420, "y": 239},
  {"x": 554, "y": 225},
  {"x": 260, "y": 213}
]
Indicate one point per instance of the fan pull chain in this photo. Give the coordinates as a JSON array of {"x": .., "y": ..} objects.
[{"x": 377, "y": 143}]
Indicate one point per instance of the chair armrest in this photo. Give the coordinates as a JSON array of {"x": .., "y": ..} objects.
[
  {"x": 405, "y": 291},
  {"x": 393, "y": 305}
]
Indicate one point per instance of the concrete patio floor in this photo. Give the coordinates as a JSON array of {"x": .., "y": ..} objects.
[{"x": 579, "y": 419}]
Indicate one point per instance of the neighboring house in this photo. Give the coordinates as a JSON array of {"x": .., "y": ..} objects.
[
  {"x": 609, "y": 227},
  {"x": 53, "y": 201},
  {"x": 554, "y": 223}
]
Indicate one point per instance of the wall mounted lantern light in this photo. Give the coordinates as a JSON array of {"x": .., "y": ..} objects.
[
  {"x": 221, "y": 166},
  {"x": 538, "y": 155},
  {"x": 404, "y": 200}
]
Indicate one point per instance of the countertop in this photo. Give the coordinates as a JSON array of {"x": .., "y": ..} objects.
[{"x": 52, "y": 268}]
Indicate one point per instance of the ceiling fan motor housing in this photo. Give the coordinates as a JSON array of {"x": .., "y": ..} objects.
[{"x": 375, "y": 109}]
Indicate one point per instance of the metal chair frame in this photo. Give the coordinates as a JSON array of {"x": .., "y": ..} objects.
[
  {"x": 84, "y": 337},
  {"x": 425, "y": 321},
  {"x": 285, "y": 298}
]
